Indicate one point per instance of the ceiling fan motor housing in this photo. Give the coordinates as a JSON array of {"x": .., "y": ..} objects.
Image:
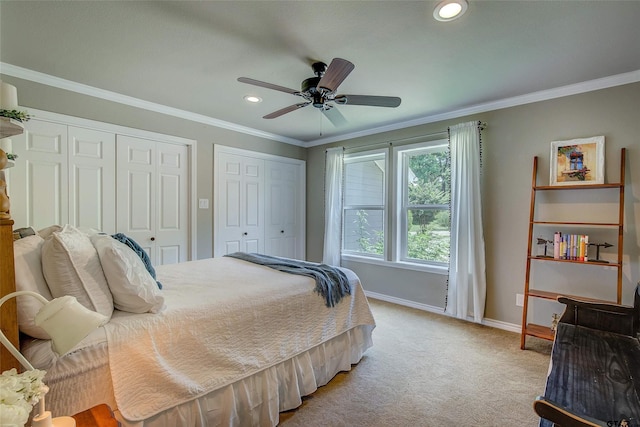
[
  {"x": 319, "y": 68},
  {"x": 309, "y": 88}
]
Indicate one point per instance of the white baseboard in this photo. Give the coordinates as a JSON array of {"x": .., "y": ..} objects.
[{"x": 498, "y": 324}]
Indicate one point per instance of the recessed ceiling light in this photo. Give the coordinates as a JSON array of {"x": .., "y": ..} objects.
[
  {"x": 253, "y": 99},
  {"x": 448, "y": 10}
]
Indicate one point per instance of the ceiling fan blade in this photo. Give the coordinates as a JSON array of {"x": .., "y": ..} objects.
[
  {"x": 267, "y": 85},
  {"x": 285, "y": 110},
  {"x": 335, "y": 117},
  {"x": 374, "y": 101},
  {"x": 336, "y": 72}
]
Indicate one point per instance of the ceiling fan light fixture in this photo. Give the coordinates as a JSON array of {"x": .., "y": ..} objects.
[
  {"x": 253, "y": 99},
  {"x": 448, "y": 10}
]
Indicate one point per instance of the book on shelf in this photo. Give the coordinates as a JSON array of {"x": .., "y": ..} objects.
[{"x": 570, "y": 246}]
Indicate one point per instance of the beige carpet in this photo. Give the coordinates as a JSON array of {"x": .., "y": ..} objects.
[{"x": 426, "y": 369}]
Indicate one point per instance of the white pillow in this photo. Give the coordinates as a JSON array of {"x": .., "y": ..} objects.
[
  {"x": 71, "y": 266},
  {"x": 132, "y": 287},
  {"x": 29, "y": 277},
  {"x": 45, "y": 233}
]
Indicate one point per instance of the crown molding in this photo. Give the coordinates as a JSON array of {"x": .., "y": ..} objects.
[
  {"x": 543, "y": 95},
  {"x": 574, "y": 89},
  {"x": 49, "y": 80}
]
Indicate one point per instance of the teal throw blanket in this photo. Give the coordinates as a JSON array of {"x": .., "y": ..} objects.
[{"x": 331, "y": 282}]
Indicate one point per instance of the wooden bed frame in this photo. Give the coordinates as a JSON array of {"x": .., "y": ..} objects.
[{"x": 8, "y": 311}]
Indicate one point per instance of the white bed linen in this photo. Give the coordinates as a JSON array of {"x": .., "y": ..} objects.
[{"x": 257, "y": 394}]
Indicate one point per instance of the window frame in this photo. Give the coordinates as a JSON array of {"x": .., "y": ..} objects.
[
  {"x": 401, "y": 156},
  {"x": 363, "y": 156},
  {"x": 395, "y": 247}
]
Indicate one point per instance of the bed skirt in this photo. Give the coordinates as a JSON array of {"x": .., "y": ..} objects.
[
  {"x": 255, "y": 400},
  {"x": 258, "y": 399}
]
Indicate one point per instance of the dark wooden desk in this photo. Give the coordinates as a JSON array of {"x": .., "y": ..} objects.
[{"x": 98, "y": 416}]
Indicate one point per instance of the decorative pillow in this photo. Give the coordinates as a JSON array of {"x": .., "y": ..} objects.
[
  {"x": 140, "y": 252},
  {"x": 132, "y": 287},
  {"x": 29, "y": 277},
  {"x": 20, "y": 233},
  {"x": 71, "y": 266},
  {"x": 45, "y": 233}
]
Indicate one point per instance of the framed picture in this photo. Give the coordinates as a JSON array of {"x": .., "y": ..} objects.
[{"x": 577, "y": 161}]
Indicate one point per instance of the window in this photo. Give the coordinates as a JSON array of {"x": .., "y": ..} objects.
[
  {"x": 417, "y": 213},
  {"x": 364, "y": 204},
  {"x": 425, "y": 190}
]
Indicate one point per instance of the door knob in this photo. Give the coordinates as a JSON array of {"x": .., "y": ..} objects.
[
  {"x": 153, "y": 239},
  {"x": 282, "y": 231},
  {"x": 245, "y": 233}
]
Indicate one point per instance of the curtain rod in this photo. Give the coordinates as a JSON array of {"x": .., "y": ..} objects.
[{"x": 402, "y": 141}]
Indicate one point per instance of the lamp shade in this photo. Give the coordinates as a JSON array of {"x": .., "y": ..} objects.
[
  {"x": 6, "y": 146},
  {"x": 8, "y": 96},
  {"x": 67, "y": 322}
]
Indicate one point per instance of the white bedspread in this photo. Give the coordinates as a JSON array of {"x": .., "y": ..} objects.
[{"x": 219, "y": 326}]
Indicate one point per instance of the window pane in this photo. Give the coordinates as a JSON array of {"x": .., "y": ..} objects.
[
  {"x": 428, "y": 234},
  {"x": 428, "y": 181},
  {"x": 364, "y": 231},
  {"x": 364, "y": 181}
]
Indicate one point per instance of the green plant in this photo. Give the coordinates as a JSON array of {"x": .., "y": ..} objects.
[
  {"x": 21, "y": 116},
  {"x": 429, "y": 244},
  {"x": 366, "y": 242}
]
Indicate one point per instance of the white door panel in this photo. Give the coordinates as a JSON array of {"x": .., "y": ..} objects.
[
  {"x": 153, "y": 197},
  {"x": 40, "y": 177},
  {"x": 284, "y": 202},
  {"x": 92, "y": 195},
  {"x": 139, "y": 199},
  {"x": 239, "y": 199},
  {"x": 172, "y": 226},
  {"x": 169, "y": 254},
  {"x": 136, "y": 191}
]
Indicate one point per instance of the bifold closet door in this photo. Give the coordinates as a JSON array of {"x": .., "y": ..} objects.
[
  {"x": 239, "y": 204},
  {"x": 39, "y": 182},
  {"x": 63, "y": 175},
  {"x": 153, "y": 198},
  {"x": 92, "y": 179},
  {"x": 283, "y": 204}
]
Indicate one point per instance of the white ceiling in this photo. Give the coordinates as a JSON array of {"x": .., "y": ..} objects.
[{"x": 188, "y": 55}]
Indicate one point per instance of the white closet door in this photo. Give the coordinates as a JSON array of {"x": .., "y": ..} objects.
[
  {"x": 39, "y": 179},
  {"x": 153, "y": 197},
  {"x": 136, "y": 191},
  {"x": 92, "y": 179},
  {"x": 240, "y": 204},
  {"x": 173, "y": 203},
  {"x": 283, "y": 204}
]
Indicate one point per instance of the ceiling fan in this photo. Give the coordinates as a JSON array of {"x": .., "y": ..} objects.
[{"x": 320, "y": 91}]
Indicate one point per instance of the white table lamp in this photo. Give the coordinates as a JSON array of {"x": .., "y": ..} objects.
[
  {"x": 8, "y": 96},
  {"x": 67, "y": 322}
]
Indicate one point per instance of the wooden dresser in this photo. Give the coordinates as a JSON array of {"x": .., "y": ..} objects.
[
  {"x": 8, "y": 311},
  {"x": 98, "y": 416}
]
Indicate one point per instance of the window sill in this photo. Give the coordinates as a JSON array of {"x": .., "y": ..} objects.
[{"x": 434, "y": 269}]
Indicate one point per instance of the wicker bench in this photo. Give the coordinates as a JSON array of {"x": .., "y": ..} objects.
[{"x": 594, "y": 376}]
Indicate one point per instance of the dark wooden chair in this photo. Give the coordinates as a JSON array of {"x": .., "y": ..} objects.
[{"x": 594, "y": 378}]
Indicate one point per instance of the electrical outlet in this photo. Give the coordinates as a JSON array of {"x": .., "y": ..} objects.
[
  {"x": 203, "y": 203},
  {"x": 520, "y": 300}
]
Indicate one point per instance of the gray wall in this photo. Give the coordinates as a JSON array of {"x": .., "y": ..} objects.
[
  {"x": 47, "y": 98},
  {"x": 512, "y": 138}
]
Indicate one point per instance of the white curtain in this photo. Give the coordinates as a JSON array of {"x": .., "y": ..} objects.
[
  {"x": 467, "y": 278},
  {"x": 333, "y": 206}
]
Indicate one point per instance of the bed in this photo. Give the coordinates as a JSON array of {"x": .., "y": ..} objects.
[{"x": 223, "y": 342}]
